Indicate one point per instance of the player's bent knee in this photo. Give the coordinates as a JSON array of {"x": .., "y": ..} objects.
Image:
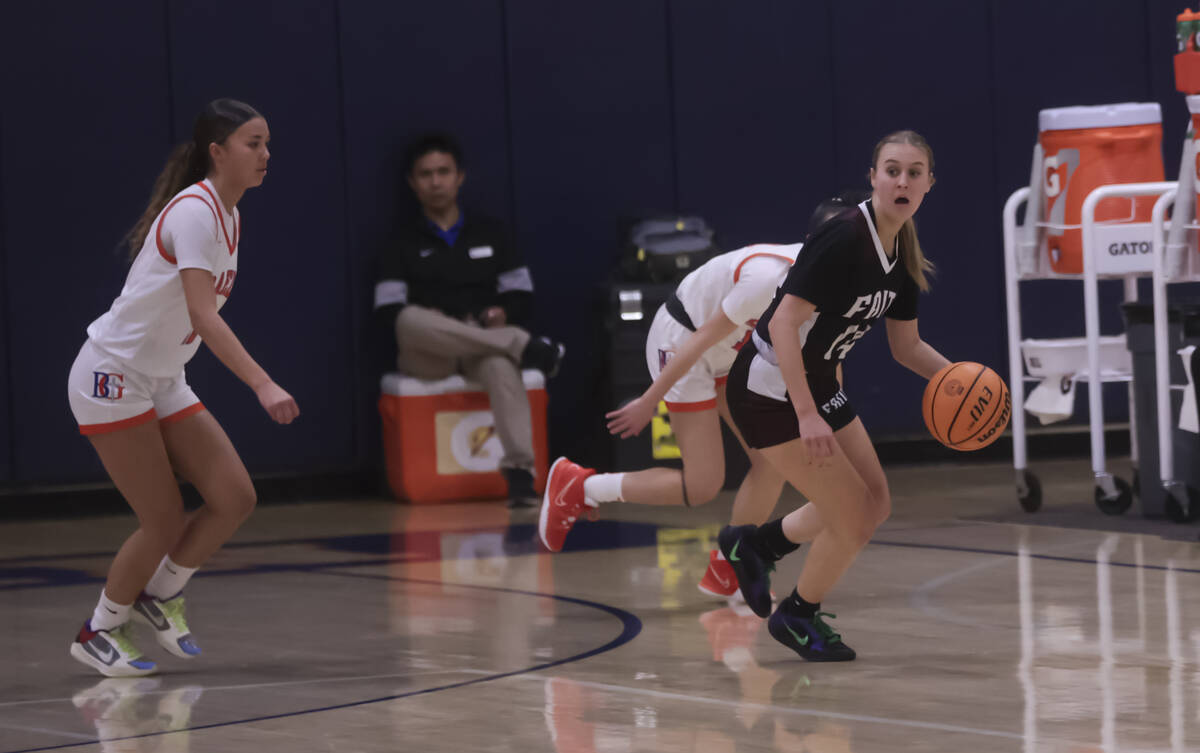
[
  {"x": 856, "y": 525},
  {"x": 881, "y": 507},
  {"x": 701, "y": 488},
  {"x": 236, "y": 503},
  {"x": 245, "y": 502},
  {"x": 163, "y": 527}
]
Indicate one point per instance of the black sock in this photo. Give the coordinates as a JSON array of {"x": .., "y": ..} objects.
[
  {"x": 771, "y": 543},
  {"x": 798, "y": 607}
]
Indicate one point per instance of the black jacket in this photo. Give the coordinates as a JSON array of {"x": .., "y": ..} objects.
[{"x": 481, "y": 269}]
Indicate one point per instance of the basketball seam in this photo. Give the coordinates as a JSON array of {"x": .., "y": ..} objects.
[
  {"x": 933, "y": 403},
  {"x": 960, "y": 407}
]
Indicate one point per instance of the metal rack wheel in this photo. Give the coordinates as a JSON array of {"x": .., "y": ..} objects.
[
  {"x": 1029, "y": 491},
  {"x": 1111, "y": 503},
  {"x": 1182, "y": 503}
]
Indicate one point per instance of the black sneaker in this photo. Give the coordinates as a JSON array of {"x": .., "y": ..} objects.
[
  {"x": 520, "y": 489},
  {"x": 753, "y": 572},
  {"x": 812, "y": 639},
  {"x": 543, "y": 354}
]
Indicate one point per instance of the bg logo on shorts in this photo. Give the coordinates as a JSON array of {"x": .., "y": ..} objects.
[{"x": 108, "y": 386}]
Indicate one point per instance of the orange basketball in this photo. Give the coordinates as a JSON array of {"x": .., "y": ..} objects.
[{"x": 966, "y": 406}]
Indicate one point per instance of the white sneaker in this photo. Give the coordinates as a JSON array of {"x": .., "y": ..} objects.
[
  {"x": 110, "y": 652},
  {"x": 168, "y": 622}
]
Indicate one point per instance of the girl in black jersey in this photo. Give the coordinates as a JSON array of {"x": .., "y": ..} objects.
[{"x": 785, "y": 397}]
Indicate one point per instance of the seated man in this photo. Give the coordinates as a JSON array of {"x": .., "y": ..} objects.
[{"x": 459, "y": 292}]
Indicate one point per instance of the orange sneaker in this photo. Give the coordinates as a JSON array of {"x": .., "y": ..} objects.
[
  {"x": 719, "y": 579},
  {"x": 563, "y": 503}
]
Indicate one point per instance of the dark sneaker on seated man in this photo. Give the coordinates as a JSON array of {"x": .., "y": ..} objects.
[
  {"x": 543, "y": 354},
  {"x": 520, "y": 489}
]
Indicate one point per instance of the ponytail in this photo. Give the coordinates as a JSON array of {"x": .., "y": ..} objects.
[
  {"x": 184, "y": 167},
  {"x": 919, "y": 267},
  {"x": 189, "y": 162}
]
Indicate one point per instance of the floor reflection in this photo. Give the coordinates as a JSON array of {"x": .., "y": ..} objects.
[
  {"x": 131, "y": 714},
  {"x": 1107, "y": 665}
]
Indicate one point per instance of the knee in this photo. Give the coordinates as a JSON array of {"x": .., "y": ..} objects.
[
  {"x": 701, "y": 485},
  {"x": 163, "y": 527},
  {"x": 499, "y": 369},
  {"x": 405, "y": 323},
  {"x": 858, "y": 524},
  {"x": 234, "y": 503},
  {"x": 242, "y": 503},
  {"x": 880, "y": 505}
]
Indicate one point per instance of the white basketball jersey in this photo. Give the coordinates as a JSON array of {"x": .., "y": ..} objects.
[
  {"x": 148, "y": 327},
  {"x": 740, "y": 283}
]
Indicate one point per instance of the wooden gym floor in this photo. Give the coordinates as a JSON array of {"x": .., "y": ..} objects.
[{"x": 371, "y": 626}]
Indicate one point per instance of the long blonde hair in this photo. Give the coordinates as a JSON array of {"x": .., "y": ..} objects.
[
  {"x": 189, "y": 162},
  {"x": 919, "y": 267}
]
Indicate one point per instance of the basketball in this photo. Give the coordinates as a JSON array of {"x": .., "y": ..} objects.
[{"x": 966, "y": 406}]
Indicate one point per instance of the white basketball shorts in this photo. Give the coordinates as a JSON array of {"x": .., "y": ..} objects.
[
  {"x": 696, "y": 390},
  {"x": 106, "y": 395}
]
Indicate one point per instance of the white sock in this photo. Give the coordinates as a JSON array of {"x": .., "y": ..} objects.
[
  {"x": 169, "y": 579},
  {"x": 720, "y": 554},
  {"x": 604, "y": 487},
  {"x": 109, "y": 614}
]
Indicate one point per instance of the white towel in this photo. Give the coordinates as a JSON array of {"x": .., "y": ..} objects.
[
  {"x": 1053, "y": 399},
  {"x": 1188, "y": 419}
]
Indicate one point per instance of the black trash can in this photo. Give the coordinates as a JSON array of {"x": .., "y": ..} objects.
[{"x": 1183, "y": 329}]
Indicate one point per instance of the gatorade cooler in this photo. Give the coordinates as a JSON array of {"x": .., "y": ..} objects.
[
  {"x": 1088, "y": 147},
  {"x": 440, "y": 442}
]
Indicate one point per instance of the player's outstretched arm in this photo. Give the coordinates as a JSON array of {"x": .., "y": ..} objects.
[
  {"x": 911, "y": 351},
  {"x": 630, "y": 419},
  {"x": 198, "y": 287}
]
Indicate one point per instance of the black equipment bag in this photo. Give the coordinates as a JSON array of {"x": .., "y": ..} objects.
[{"x": 666, "y": 249}]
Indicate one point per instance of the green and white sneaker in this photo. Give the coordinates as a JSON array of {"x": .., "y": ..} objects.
[
  {"x": 110, "y": 652},
  {"x": 170, "y": 626}
]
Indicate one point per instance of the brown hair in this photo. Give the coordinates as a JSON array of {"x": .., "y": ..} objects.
[
  {"x": 190, "y": 162},
  {"x": 919, "y": 267}
]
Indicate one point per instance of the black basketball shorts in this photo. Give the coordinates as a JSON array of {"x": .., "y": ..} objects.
[{"x": 753, "y": 391}]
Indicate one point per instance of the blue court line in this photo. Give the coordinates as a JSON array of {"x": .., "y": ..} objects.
[
  {"x": 48, "y": 577},
  {"x": 597, "y": 535},
  {"x": 630, "y": 627}
]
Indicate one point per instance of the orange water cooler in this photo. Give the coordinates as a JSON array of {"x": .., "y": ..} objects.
[
  {"x": 440, "y": 442},
  {"x": 1087, "y": 147}
]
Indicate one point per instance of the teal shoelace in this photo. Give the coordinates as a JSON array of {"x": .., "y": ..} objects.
[{"x": 828, "y": 633}]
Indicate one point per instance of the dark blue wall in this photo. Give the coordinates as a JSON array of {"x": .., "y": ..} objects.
[
  {"x": 86, "y": 128},
  {"x": 574, "y": 118},
  {"x": 293, "y": 300}
]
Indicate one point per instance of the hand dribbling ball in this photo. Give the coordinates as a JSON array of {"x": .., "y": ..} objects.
[{"x": 966, "y": 406}]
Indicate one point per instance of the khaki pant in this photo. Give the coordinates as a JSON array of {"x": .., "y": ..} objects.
[{"x": 432, "y": 345}]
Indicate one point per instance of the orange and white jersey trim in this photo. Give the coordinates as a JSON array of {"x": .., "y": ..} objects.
[
  {"x": 741, "y": 284},
  {"x": 148, "y": 326}
]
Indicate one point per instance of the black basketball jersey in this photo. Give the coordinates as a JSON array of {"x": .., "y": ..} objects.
[{"x": 844, "y": 271}]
